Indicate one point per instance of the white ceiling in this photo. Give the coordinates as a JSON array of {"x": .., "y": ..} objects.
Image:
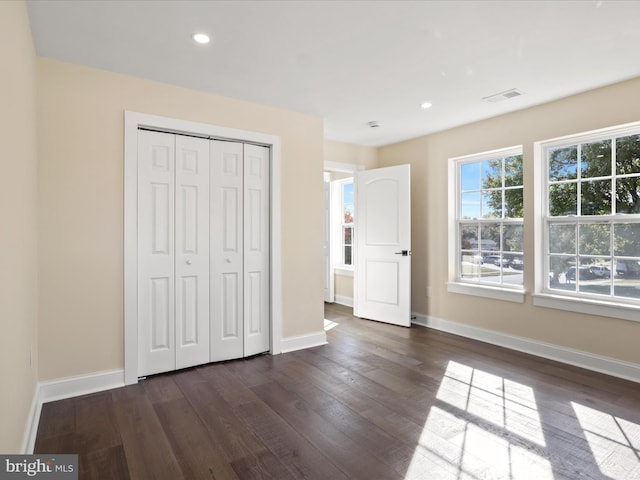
[{"x": 352, "y": 62}]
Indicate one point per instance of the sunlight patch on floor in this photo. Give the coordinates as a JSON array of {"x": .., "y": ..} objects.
[
  {"x": 484, "y": 426},
  {"x": 494, "y": 399},
  {"x": 329, "y": 324},
  {"x": 614, "y": 442}
]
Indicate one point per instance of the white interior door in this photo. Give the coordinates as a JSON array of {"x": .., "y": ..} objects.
[
  {"x": 173, "y": 252},
  {"x": 256, "y": 250},
  {"x": 240, "y": 260},
  {"x": 383, "y": 245},
  {"x": 156, "y": 226},
  {"x": 227, "y": 232},
  {"x": 192, "y": 251}
]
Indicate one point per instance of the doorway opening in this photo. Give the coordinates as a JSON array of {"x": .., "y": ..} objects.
[{"x": 339, "y": 237}]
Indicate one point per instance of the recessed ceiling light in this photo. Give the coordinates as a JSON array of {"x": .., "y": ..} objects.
[
  {"x": 374, "y": 124},
  {"x": 426, "y": 105},
  {"x": 202, "y": 38}
]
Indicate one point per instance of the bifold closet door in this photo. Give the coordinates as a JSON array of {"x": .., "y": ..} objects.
[
  {"x": 173, "y": 252},
  {"x": 239, "y": 250}
]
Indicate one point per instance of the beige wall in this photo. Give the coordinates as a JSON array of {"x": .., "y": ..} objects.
[
  {"x": 81, "y": 206},
  {"x": 342, "y": 152},
  {"x": 428, "y": 156},
  {"x": 343, "y": 285},
  {"x": 18, "y": 237}
]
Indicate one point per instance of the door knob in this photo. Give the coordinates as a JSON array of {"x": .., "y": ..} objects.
[
  {"x": 228, "y": 260},
  {"x": 189, "y": 262},
  {"x": 404, "y": 253}
]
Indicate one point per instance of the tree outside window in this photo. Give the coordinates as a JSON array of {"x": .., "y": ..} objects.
[{"x": 490, "y": 214}]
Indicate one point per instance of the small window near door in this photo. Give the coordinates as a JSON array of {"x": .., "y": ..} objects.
[{"x": 347, "y": 222}]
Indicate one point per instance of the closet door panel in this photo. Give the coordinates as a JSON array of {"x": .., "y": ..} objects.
[
  {"x": 256, "y": 250},
  {"x": 156, "y": 285},
  {"x": 192, "y": 251},
  {"x": 227, "y": 234}
]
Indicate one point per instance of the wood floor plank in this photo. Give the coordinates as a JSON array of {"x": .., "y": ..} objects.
[
  {"x": 95, "y": 423},
  {"x": 198, "y": 453},
  {"x": 349, "y": 454},
  {"x": 148, "y": 451},
  {"x": 105, "y": 463},
  {"x": 301, "y": 458}
]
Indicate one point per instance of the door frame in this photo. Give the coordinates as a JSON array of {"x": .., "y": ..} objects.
[
  {"x": 352, "y": 169},
  {"x": 132, "y": 122}
]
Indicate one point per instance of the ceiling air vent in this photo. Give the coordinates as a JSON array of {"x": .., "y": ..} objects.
[{"x": 506, "y": 95}]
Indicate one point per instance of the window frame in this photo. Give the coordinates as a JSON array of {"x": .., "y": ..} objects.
[
  {"x": 575, "y": 301},
  {"x": 456, "y": 283}
]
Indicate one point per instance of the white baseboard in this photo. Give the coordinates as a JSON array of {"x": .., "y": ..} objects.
[
  {"x": 578, "y": 358},
  {"x": 31, "y": 430},
  {"x": 300, "y": 342},
  {"x": 343, "y": 300},
  {"x": 62, "y": 388}
]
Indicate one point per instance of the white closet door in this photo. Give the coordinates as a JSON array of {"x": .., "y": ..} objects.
[
  {"x": 227, "y": 233},
  {"x": 156, "y": 185},
  {"x": 192, "y": 251},
  {"x": 256, "y": 249}
]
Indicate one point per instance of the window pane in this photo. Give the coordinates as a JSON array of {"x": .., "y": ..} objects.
[
  {"x": 491, "y": 272},
  {"x": 562, "y": 239},
  {"x": 513, "y": 171},
  {"x": 628, "y": 195},
  {"x": 595, "y": 240},
  {"x": 492, "y": 204},
  {"x": 594, "y": 276},
  {"x": 512, "y": 238},
  {"x": 348, "y": 232},
  {"x": 470, "y": 265},
  {"x": 627, "y": 268},
  {"x": 627, "y": 286},
  {"x": 469, "y": 237},
  {"x": 470, "y": 205},
  {"x": 626, "y": 239},
  {"x": 563, "y": 199},
  {"x": 347, "y": 255},
  {"x": 563, "y": 163},
  {"x": 628, "y": 154},
  {"x": 596, "y": 197},
  {"x": 492, "y": 173},
  {"x": 490, "y": 238},
  {"x": 470, "y": 176},
  {"x": 595, "y": 159},
  {"x": 347, "y": 202},
  {"x": 562, "y": 272},
  {"x": 514, "y": 203}
]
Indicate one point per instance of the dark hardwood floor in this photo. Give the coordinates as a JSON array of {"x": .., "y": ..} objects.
[{"x": 377, "y": 402}]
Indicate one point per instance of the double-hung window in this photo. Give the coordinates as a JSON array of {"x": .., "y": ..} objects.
[
  {"x": 486, "y": 224},
  {"x": 589, "y": 211}
]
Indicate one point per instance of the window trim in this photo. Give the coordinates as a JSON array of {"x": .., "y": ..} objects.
[
  {"x": 543, "y": 296},
  {"x": 455, "y": 284}
]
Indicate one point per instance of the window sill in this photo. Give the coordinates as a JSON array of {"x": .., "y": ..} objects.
[
  {"x": 496, "y": 293},
  {"x": 587, "y": 306},
  {"x": 344, "y": 271}
]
